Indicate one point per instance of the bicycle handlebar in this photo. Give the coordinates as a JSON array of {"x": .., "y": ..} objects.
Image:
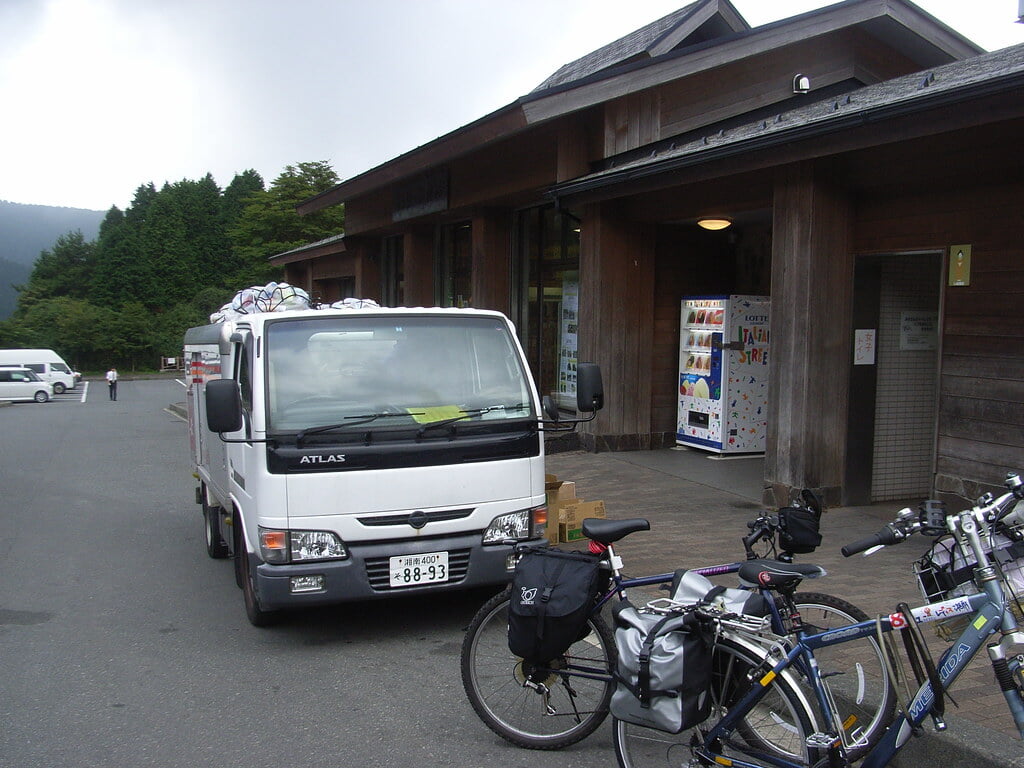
[{"x": 887, "y": 535}]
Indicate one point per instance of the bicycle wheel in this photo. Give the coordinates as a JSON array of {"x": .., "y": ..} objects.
[
  {"x": 778, "y": 725},
  {"x": 854, "y": 672},
  {"x": 545, "y": 707}
]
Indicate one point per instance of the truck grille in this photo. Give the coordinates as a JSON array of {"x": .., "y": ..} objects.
[{"x": 378, "y": 570}]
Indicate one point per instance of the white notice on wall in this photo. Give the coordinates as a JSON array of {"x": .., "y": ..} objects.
[
  {"x": 864, "y": 346},
  {"x": 919, "y": 330}
]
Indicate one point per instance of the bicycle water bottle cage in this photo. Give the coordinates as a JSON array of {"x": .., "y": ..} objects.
[
  {"x": 932, "y": 515},
  {"x": 772, "y": 574}
]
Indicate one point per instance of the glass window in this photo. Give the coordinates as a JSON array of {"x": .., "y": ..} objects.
[
  {"x": 416, "y": 370},
  {"x": 455, "y": 266},
  {"x": 546, "y": 285}
]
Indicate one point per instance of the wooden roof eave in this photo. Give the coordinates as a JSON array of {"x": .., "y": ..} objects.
[
  {"x": 500, "y": 124},
  {"x": 902, "y": 20},
  {"x": 757, "y": 153}
]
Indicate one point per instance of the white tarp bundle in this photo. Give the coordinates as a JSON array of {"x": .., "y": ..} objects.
[
  {"x": 278, "y": 297},
  {"x": 272, "y": 297}
]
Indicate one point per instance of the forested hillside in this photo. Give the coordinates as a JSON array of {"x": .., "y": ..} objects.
[
  {"x": 25, "y": 230},
  {"x": 162, "y": 265}
]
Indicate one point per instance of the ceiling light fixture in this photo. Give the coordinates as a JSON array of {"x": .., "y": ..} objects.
[{"x": 713, "y": 224}]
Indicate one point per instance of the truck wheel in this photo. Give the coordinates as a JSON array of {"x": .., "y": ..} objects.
[
  {"x": 58, "y": 388},
  {"x": 216, "y": 547},
  {"x": 257, "y": 616}
]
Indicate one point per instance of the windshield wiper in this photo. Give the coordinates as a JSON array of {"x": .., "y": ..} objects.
[
  {"x": 470, "y": 413},
  {"x": 350, "y": 421}
]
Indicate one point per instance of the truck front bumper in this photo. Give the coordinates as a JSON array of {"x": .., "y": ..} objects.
[{"x": 365, "y": 574}]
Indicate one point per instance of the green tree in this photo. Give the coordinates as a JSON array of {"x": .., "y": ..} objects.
[
  {"x": 269, "y": 224},
  {"x": 65, "y": 270}
]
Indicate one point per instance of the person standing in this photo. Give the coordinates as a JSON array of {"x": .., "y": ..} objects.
[{"x": 112, "y": 383}]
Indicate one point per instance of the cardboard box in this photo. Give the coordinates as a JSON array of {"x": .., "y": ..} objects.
[
  {"x": 572, "y": 516},
  {"x": 559, "y": 493}
]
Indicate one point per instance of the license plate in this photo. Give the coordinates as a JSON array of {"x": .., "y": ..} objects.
[{"x": 409, "y": 570}]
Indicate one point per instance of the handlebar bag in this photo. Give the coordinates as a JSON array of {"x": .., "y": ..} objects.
[
  {"x": 663, "y": 676},
  {"x": 691, "y": 588},
  {"x": 799, "y": 530},
  {"x": 551, "y": 596}
]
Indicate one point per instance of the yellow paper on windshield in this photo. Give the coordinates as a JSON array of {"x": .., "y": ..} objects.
[{"x": 437, "y": 413}]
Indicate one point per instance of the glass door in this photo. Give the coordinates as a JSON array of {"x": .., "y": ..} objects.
[{"x": 545, "y": 298}]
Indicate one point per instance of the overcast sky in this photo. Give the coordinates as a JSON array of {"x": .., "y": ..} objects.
[{"x": 100, "y": 96}]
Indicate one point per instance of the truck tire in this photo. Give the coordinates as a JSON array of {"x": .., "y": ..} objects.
[
  {"x": 257, "y": 616},
  {"x": 216, "y": 547},
  {"x": 58, "y": 388}
]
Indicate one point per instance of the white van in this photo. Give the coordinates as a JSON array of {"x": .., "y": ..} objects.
[
  {"x": 46, "y": 363},
  {"x": 23, "y": 384}
]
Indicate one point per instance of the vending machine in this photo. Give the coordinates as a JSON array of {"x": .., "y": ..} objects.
[{"x": 723, "y": 373}]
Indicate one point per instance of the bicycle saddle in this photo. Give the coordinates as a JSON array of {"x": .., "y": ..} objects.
[
  {"x": 771, "y": 574},
  {"x": 607, "y": 531}
]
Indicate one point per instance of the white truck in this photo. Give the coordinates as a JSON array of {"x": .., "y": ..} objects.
[
  {"x": 47, "y": 364},
  {"x": 347, "y": 455}
]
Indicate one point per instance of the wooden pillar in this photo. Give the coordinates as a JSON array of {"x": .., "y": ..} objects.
[
  {"x": 418, "y": 253},
  {"x": 616, "y": 328},
  {"x": 492, "y": 254},
  {"x": 367, "y": 270},
  {"x": 812, "y": 278}
]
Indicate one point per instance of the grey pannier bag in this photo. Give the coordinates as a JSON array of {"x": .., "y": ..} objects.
[
  {"x": 664, "y": 670},
  {"x": 691, "y": 588}
]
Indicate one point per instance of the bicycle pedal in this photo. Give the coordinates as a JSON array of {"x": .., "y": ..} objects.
[{"x": 821, "y": 741}]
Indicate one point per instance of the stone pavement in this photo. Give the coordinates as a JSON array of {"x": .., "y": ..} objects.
[{"x": 698, "y": 506}]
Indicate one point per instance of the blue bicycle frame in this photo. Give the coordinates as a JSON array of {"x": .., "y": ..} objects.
[{"x": 989, "y": 616}]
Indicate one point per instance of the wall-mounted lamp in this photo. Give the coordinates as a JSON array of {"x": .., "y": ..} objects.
[
  {"x": 713, "y": 224},
  {"x": 801, "y": 84}
]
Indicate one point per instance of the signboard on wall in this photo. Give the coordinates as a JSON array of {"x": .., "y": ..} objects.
[
  {"x": 919, "y": 330},
  {"x": 960, "y": 264}
]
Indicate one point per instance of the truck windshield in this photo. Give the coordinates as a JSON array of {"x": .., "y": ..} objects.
[{"x": 341, "y": 372}]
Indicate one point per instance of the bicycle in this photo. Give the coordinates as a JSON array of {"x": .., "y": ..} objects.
[
  {"x": 553, "y": 705},
  {"x": 754, "y": 671}
]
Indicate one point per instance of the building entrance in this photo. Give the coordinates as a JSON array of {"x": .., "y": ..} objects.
[{"x": 894, "y": 378}]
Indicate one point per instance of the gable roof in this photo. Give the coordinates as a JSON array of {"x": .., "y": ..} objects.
[
  {"x": 997, "y": 73},
  {"x": 693, "y": 23}
]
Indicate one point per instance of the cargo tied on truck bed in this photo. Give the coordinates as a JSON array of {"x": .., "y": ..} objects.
[{"x": 354, "y": 454}]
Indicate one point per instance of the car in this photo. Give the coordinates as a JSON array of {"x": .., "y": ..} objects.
[{"x": 24, "y": 384}]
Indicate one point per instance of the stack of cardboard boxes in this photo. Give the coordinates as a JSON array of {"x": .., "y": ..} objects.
[{"x": 565, "y": 512}]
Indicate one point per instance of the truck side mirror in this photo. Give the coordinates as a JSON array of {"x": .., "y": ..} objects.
[
  {"x": 550, "y": 408},
  {"x": 223, "y": 406},
  {"x": 589, "y": 389}
]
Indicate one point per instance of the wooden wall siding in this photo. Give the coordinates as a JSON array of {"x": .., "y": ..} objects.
[
  {"x": 631, "y": 122},
  {"x": 418, "y": 256},
  {"x": 492, "y": 254},
  {"x": 616, "y": 324},
  {"x": 338, "y": 265},
  {"x": 579, "y": 144},
  {"x": 812, "y": 268},
  {"x": 981, "y": 397}
]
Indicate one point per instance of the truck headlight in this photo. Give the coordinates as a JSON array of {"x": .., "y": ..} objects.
[
  {"x": 515, "y": 526},
  {"x": 316, "y": 545},
  {"x": 277, "y": 546}
]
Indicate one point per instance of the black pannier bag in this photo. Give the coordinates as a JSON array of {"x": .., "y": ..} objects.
[
  {"x": 551, "y": 596},
  {"x": 664, "y": 670},
  {"x": 799, "y": 530}
]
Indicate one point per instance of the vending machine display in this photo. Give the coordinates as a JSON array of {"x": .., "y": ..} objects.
[{"x": 723, "y": 373}]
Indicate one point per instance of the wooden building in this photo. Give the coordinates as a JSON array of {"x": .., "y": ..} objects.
[{"x": 857, "y": 152}]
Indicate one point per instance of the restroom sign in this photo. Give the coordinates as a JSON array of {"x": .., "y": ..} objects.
[{"x": 960, "y": 265}]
